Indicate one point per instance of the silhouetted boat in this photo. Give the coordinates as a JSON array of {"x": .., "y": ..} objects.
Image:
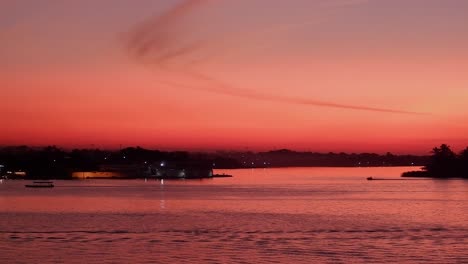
[
  {"x": 221, "y": 176},
  {"x": 40, "y": 184},
  {"x": 383, "y": 179}
]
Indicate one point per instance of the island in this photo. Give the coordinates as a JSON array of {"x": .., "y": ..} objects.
[{"x": 443, "y": 163}]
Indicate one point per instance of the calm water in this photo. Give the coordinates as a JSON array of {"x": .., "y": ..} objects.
[{"x": 294, "y": 215}]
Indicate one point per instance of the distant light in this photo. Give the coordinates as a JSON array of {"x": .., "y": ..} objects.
[
  {"x": 54, "y": 160},
  {"x": 105, "y": 158},
  {"x": 124, "y": 157},
  {"x": 1, "y": 166},
  {"x": 214, "y": 164},
  {"x": 145, "y": 162},
  {"x": 162, "y": 164}
]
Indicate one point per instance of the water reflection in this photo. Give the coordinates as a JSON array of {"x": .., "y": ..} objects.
[{"x": 299, "y": 215}]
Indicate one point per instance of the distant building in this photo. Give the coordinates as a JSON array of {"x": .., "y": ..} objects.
[
  {"x": 163, "y": 170},
  {"x": 179, "y": 171},
  {"x": 96, "y": 174},
  {"x": 123, "y": 170}
]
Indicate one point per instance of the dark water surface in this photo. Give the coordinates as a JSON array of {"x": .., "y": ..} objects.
[{"x": 293, "y": 215}]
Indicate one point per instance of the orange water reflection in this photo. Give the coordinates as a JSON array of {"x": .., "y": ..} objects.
[
  {"x": 300, "y": 215},
  {"x": 328, "y": 191}
]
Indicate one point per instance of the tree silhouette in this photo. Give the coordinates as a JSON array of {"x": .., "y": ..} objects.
[
  {"x": 443, "y": 162},
  {"x": 463, "y": 163}
]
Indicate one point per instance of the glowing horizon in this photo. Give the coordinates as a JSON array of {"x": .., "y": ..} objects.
[{"x": 351, "y": 76}]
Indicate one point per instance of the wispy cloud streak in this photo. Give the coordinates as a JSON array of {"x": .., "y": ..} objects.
[
  {"x": 158, "y": 42},
  {"x": 223, "y": 88},
  {"x": 157, "y": 37}
]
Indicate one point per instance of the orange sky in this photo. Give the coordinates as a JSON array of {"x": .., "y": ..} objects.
[{"x": 319, "y": 75}]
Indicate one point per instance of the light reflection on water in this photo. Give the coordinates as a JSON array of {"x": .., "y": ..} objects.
[{"x": 298, "y": 215}]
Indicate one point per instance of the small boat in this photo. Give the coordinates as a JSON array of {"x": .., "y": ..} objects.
[
  {"x": 370, "y": 178},
  {"x": 221, "y": 175},
  {"x": 40, "y": 184}
]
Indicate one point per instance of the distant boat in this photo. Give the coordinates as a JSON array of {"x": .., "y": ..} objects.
[
  {"x": 40, "y": 184},
  {"x": 383, "y": 179},
  {"x": 221, "y": 176}
]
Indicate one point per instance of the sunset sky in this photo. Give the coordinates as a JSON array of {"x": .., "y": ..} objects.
[{"x": 318, "y": 75}]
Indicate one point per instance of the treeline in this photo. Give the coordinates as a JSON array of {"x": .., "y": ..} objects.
[
  {"x": 47, "y": 162},
  {"x": 54, "y": 162},
  {"x": 444, "y": 163},
  {"x": 288, "y": 158}
]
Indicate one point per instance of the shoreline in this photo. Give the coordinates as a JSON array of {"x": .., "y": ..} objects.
[{"x": 425, "y": 174}]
